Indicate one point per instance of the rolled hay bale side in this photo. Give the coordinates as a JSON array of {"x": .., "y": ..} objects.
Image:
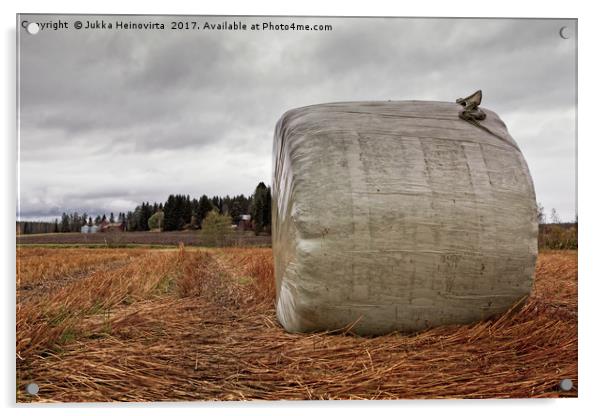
[{"x": 398, "y": 216}]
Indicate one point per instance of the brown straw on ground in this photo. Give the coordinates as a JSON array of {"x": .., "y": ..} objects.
[{"x": 200, "y": 325}]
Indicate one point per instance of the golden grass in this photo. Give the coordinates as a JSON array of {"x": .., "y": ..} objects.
[
  {"x": 43, "y": 322},
  {"x": 37, "y": 265},
  {"x": 200, "y": 325}
]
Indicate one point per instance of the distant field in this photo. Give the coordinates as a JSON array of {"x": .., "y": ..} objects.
[
  {"x": 199, "y": 324},
  {"x": 189, "y": 238}
]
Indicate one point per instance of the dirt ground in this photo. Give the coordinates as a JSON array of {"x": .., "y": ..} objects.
[
  {"x": 174, "y": 238},
  {"x": 199, "y": 324}
]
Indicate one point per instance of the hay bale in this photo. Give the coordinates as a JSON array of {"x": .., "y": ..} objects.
[{"x": 398, "y": 216}]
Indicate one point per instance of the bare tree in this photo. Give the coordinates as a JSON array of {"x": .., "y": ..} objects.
[
  {"x": 541, "y": 215},
  {"x": 554, "y": 219}
]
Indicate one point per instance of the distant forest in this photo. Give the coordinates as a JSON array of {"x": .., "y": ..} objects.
[{"x": 178, "y": 212}]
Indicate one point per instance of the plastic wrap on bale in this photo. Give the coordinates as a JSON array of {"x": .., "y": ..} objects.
[{"x": 398, "y": 216}]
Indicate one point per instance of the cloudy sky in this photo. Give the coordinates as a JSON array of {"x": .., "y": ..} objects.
[{"x": 111, "y": 118}]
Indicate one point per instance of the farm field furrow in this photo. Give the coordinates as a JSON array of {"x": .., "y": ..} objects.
[{"x": 121, "y": 239}]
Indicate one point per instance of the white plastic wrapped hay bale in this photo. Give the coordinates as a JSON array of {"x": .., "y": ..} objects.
[{"x": 398, "y": 216}]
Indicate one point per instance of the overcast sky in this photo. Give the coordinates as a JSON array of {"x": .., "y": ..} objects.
[{"x": 111, "y": 118}]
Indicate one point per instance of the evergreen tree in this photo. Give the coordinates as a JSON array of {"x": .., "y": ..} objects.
[
  {"x": 186, "y": 209},
  {"x": 218, "y": 204},
  {"x": 170, "y": 220},
  {"x": 258, "y": 207},
  {"x": 245, "y": 204},
  {"x": 139, "y": 215},
  {"x": 226, "y": 205},
  {"x": 194, "y": 205},
  {"x": 134, "y": 218},
  {"x": 146, "y": 212},
  {"x": 267, "y": 211},
  {"x": 205, "y": 206},
  {"x": 74, "y": 222},
  {"x": 181, "y": 211},
  {"x": 112, "y": 218},
  {"x": 130, "y": 221},
  {"x": 239, "y": 205},
  {"x": 236, "y": 209},
  {"x": 65, "y": 223}
]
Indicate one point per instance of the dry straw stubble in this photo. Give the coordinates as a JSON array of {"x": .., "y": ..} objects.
[{"x": 200, "y": 325}]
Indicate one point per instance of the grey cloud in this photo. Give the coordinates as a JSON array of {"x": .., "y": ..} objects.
[{"x": 114, "y": 118}]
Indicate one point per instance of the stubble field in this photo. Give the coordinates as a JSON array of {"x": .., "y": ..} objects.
[{"x": 199, "y": 324}]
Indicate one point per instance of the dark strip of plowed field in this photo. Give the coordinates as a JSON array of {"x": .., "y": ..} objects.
[{"x": 189, "y": 238}]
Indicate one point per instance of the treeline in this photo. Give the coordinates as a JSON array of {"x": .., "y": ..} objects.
[
  {"x": 183, "y": 212},
  {"x": 178, "y": 212},
  {"x": 68, "y": 223},
  {"x": 555, "y": 234},
  {"x": 560, "y": 236},
  {"x": 36, "y": 227}
]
